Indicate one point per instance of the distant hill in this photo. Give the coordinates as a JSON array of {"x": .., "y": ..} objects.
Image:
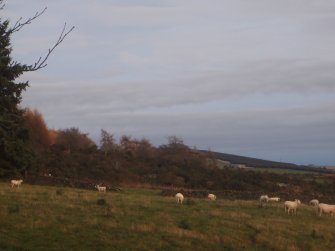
[{"x": 260, "y": 163}]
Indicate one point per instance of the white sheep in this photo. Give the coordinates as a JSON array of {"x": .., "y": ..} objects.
[
  {"x": 314, "y": 202},
  {"x": 211, "y": 196},
  {"x": 263, "y": 198},
  {"x": 16, "y": 183},
  {"x": 273, "y": 199},
  {"x": 291, "y": 206},
  {"x": 327, "y": 209},
  {"x": 101, "y": 188},
  {"x": 179, "y": 198}
]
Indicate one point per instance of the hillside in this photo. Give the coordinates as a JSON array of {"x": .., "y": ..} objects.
[{"x": 260, "y": 163}]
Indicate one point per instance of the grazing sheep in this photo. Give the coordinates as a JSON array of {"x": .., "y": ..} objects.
[
  {"x": 314, "y": 202},
  {"x": 263, "y": 198},
  {"x": 16, "y": 183},
  {"x": 291, "y": 206},
  {"x": 100, "y": 188},
  {"x": 179, "y": 198},
  {"x": 327, "y": 209},
  {"x": 211, "y": 196},
  {"x": 273, "y": 199}
]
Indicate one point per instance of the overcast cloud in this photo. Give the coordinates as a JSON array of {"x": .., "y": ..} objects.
[{"x": 254, "y": 78}]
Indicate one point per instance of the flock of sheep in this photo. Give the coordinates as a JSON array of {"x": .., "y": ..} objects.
[{"x": 290, "y": 206}]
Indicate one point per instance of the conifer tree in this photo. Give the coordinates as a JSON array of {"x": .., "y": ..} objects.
[{"x": 15, "y": 155}]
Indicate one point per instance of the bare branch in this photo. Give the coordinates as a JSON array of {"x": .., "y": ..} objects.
[
  {"x": 41, "y": 63},
  {"x": 2, "y": 6},
  {"x": 18, "y": 25}
]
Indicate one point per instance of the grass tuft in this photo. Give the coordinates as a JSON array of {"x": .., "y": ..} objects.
[
  {"x": 190, "y": 202},
  {"x": 59, "y": 192},
  {"x": 108, "y": 212},
  {"x": 101, "y": 202},
  {"x": 184, "y": 224},
  {"x": 13, "y": 209},
  {"x": 316, "y": 235}
]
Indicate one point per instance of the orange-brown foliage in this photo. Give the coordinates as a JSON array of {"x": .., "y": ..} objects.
[
  {"x": 53, "y": 134},
  {"x": 39, "y": 133}
]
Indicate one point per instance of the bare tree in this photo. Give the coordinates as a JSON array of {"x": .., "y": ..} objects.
[{"x": 107, "y": 142}]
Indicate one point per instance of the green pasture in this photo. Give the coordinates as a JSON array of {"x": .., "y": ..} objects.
[
  {"x": 53, "y": 218},
  {"x": 284, "y": 171}
]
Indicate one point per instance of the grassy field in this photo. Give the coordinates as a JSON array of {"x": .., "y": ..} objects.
[
  {"x": 52, "y": 218},
  {"x": 283, "y": 171}
]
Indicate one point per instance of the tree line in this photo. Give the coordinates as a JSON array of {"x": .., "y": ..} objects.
[{"x": 72, "y": 154}]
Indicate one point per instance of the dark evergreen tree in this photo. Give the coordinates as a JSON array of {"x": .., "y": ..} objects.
[{"x": 15, "y": 155}]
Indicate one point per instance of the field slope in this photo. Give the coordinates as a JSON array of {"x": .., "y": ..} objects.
[
  {"x": 52, "y": 218},
  {"x": 269, "y": 165}
]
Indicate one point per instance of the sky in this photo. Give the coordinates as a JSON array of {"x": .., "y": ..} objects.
[{"x": 253, "y": 78}]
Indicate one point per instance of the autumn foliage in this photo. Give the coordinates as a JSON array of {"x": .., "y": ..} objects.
[{"x": 40, "y": 135}]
